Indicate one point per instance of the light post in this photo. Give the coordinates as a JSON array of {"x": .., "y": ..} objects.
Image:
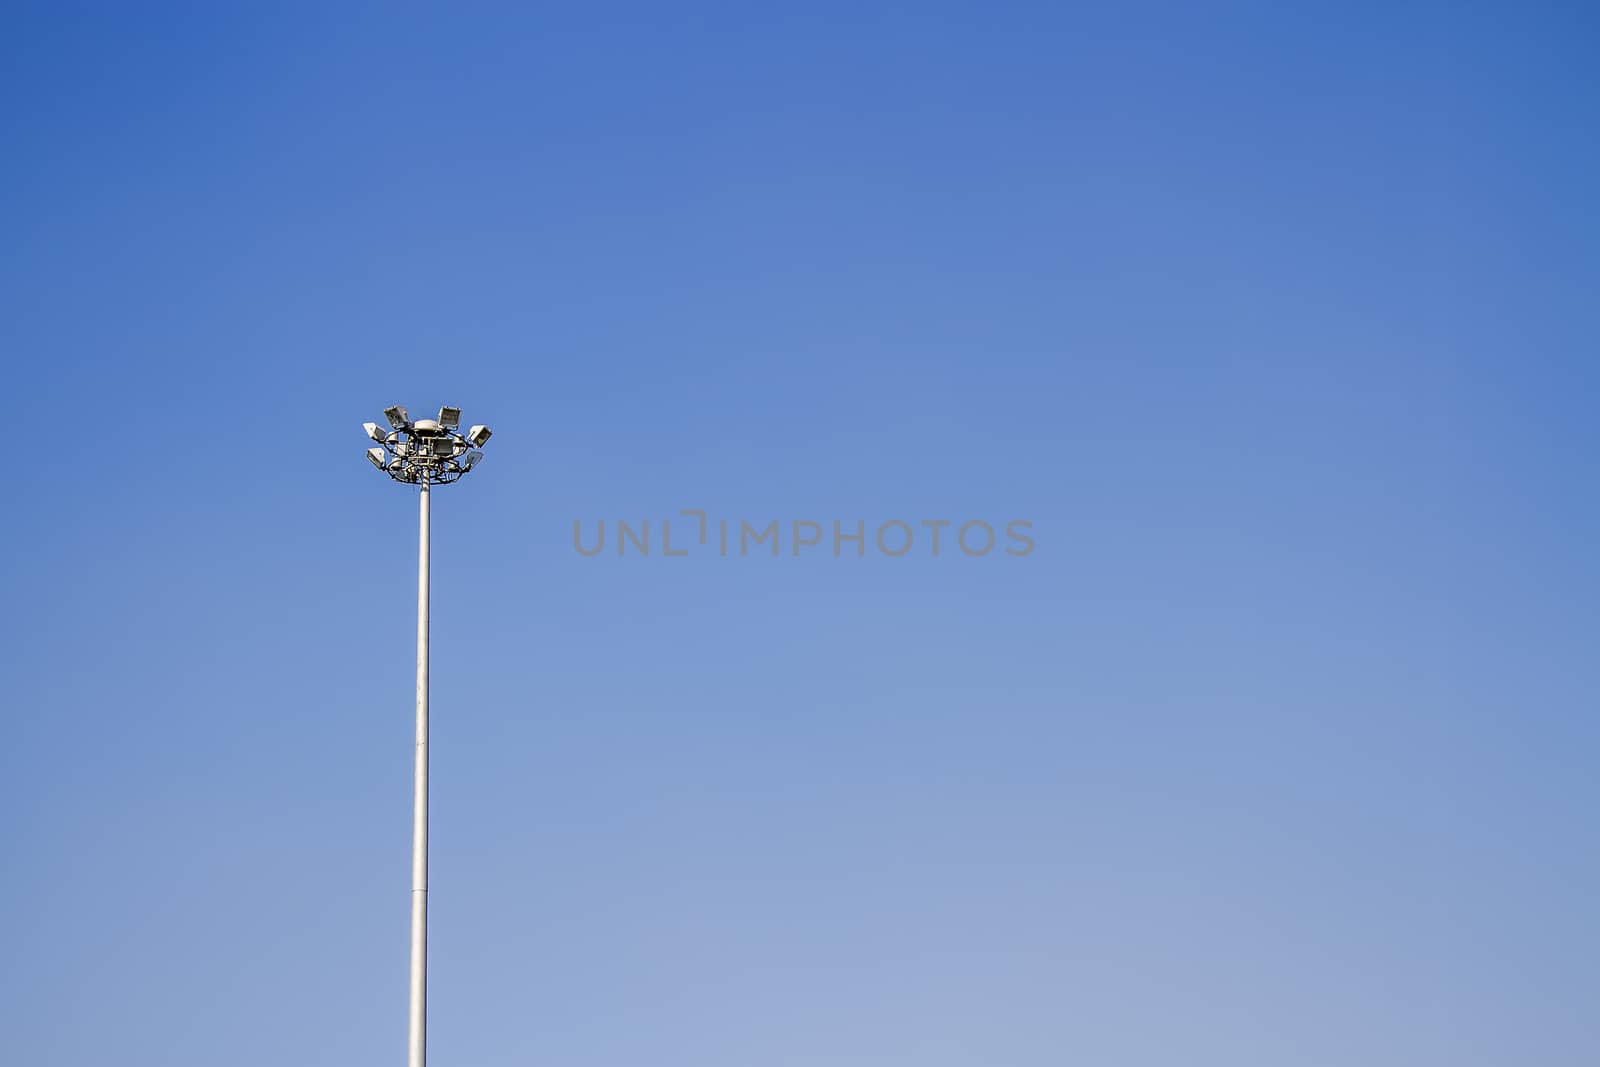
[{"x": 427, "y": 452}]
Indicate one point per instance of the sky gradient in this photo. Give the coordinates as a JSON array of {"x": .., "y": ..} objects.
[{"x": 1278, "y": 322}]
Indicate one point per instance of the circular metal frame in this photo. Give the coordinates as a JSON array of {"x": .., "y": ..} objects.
[{"x": 427, "y": 454}]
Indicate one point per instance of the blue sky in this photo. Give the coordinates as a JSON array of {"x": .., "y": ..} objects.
[{"x": 1276, "y": 321}]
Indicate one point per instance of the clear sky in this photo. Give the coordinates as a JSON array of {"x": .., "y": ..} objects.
[{"x": 1277, "y": 321}]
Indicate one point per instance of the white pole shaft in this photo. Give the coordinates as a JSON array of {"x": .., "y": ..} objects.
[{"x": 419, "y": 815}]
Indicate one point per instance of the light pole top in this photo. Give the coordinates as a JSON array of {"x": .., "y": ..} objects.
[{"x": 427, "y": 451}]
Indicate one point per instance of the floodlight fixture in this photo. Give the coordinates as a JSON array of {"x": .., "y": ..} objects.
[
  {"x": 470, "y": 460},
  {"x": 427, "y": 451},
  {"x": 377, "y": 457}
]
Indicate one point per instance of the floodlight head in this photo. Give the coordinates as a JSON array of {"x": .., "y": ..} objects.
[{"x": 426, "y": 452}]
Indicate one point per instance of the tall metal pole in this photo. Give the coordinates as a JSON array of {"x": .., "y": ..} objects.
[
  {"x": 419, "y": 813},
  {"x": 423, "y": 453}
]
